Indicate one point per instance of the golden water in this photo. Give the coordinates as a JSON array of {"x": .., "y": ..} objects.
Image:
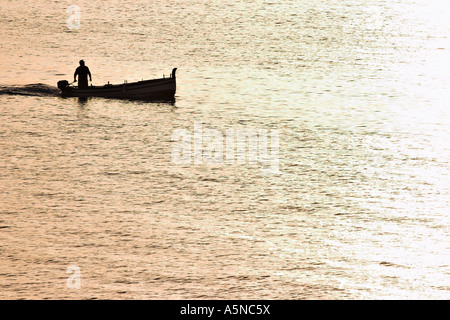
[{"x": 358, "y": 89}]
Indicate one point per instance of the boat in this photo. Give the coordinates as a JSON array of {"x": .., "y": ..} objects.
[{"x": 156, "y": 89}]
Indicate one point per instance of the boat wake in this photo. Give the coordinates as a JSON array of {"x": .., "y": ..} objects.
[{"x": 36, "y": 89}]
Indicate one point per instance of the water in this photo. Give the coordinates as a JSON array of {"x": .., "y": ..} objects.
[{"x": 358, "y": 90}]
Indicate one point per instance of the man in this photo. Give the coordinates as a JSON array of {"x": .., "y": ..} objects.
[{"x": 82, "y": 72}]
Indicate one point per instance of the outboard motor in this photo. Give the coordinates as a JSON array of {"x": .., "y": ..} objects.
[{"x": 63, "y": 84}]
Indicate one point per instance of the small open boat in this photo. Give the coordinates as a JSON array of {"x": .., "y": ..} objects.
[{"x": 156, "y": 89}]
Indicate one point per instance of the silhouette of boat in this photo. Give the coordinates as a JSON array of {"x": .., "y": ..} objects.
[{"x": 156, "y": 89}]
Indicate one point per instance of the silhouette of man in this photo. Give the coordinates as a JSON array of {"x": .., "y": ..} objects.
[{"x": 82, "y": 71}]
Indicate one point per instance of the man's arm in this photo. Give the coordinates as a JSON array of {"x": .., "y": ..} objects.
[
  {"x": 89, "y": 73},
  {"x": 75, "y": 75}
]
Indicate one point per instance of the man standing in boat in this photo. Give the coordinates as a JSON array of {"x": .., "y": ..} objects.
[{"x": 82, "y": 71}]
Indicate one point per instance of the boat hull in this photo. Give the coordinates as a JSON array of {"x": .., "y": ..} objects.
[{"x": 164, "y": 88}]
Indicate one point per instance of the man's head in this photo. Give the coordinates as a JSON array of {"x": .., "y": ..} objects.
[{"x": 82, "y": 63}]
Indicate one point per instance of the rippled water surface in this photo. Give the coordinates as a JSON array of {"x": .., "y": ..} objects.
[{"x": 357, "y": 89}]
